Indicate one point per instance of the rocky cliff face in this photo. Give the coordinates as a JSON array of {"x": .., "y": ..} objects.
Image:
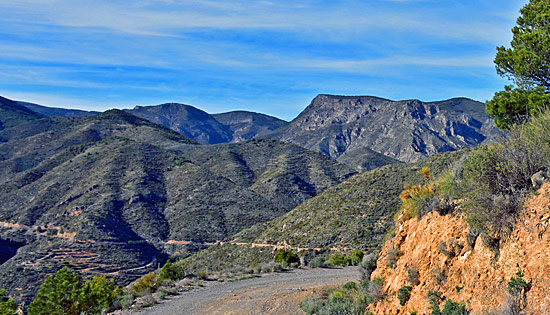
[
  {"x": 404, "y": 130},
  {"x": 465, "y": 270}
]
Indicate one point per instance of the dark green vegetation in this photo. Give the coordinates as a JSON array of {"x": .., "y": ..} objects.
[
  {"x": 7, "y": 305},
  {"x": 117, "y": 194},
  {"x": 65, "y": 294},
  {"x": 527, "y": 64},
  {"x": 286, "y": 257},
  {"x": 351, "y": 298},
  {"x": 355, "y": 214},
  {"x": 404, "y": 294},
  {"x": 351, "y": 128}
]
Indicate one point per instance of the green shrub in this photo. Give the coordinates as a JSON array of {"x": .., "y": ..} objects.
[
  {"x": 404, "y": 294},
  {"x": 7, "y": 305},
  {"x": 64, "y": 293},
  {"x": 336, "y": 259},
  {"x": 453, "y": 308},
  {"x": 317, "y": 262},
  {"x": 57, "y": 295},
  {"x": 496, "y": 178},
  {"x": 356, "y": 257},
  {"x": 97, "y": 295},
  {"x": 145, "y": 285},
  {"x": 286, "y": 256},
  {"x": 171, "y": 271},
  {"x": 124, "y": 301},
  {"x": 350, "y": 285},
  {"x": 516, "y": 285}
]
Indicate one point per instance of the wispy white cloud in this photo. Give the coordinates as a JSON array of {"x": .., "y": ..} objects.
[{"x": 221, "y": 53}]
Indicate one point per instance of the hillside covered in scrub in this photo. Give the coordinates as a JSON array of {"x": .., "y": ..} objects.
[{"x": 116, "y": 194}]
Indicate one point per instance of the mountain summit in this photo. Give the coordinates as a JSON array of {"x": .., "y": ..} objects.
[{"x": 408, "y": 130}]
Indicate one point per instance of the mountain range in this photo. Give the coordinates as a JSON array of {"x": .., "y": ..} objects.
[
  {"x": 116, "y": 194},
  {"x": 363, "y": 132},
  {"x": 119, "y": 192}
]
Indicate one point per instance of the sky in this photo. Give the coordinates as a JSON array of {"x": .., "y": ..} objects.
[{"x": 271, "y": 57}]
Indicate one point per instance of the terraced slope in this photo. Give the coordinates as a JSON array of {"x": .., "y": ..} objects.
[{"x": 117, "y": 194}]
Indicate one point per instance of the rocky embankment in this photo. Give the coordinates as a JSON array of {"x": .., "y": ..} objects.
[{"x": 462, "y": 267}]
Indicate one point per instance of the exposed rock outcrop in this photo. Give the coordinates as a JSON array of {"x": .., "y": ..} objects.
[
  {"x": 407, "y": 130},
  {"x": 467, "y": 271}
]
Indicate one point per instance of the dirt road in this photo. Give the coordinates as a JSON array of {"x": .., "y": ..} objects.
[{"x": 272, "y": 294}]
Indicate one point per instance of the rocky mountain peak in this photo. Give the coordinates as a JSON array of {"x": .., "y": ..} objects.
[{"x": 406, "y": 130}]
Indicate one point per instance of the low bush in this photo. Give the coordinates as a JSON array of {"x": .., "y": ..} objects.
[
  {"x": 336, "y": 259},
  {"x": 356, "y": 257},
  {"x": 412, "y": 276},
  {"x": 145, "y": 285},
  {"x": 171, "y": 271},
  {"x": 317, "y": 262},
  {"x": 286, "y": 257},
  {"x": 7, "y": 305},
  {"x": 404, "y": 294},
  {"x": 393, "y": 255},
  {"x": 368, "y": 265},
  {"x": 496, "y": 178}
]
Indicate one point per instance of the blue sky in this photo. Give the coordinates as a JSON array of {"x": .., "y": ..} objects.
[{"x": 265, "y": 56}]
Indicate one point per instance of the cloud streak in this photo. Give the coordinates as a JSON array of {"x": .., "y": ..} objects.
[{"x": 244, "y": 53}]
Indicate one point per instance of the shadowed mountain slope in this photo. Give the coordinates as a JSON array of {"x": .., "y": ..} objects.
[
  {"x": 355, "y": 214},
  {"x": 11, "y": 114},
  {"x": 56, "y": 111},
  {"x": 187, "y": 120},
  {"x": 114, "y": 193},
  {"x": 247, "y": 125},
  {"x": 404, "y": 130}
]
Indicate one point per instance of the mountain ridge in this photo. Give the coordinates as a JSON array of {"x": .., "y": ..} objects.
[{"x": 407, "y": 130}]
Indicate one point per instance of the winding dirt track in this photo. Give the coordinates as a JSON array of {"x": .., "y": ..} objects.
[{"x": 272, "y": 294}]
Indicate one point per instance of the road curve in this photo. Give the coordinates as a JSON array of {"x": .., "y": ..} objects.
[{"x": 271, "y": 294}]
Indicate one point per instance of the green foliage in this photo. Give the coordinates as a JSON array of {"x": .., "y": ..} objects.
[
  {"x": 404, "y": 294},
  {"x": 64, "y": 294},
  {"x": 286, "y": 257},
  {"x": 356, "y": 256},
  {"x": 171, "y": 271},
  {"x": 516, "y": 285},
  {"x": 146, "y": 285},
  {"x": 7, "y": 305},
  {"x": 97, "y": 294},
  {"x": 453, "y": 308},
  {"x": 527, "y": 64},
  {"x": 317, "y": 262},
  {"x": 58, "y": 295},
  {"x": 516, "y": 106},
  {"x": 496, "y": 178},
  {"x": 350, "y": 299},
  {"x": 434, "y": 297},
  {"x": 336, "y": 259}
]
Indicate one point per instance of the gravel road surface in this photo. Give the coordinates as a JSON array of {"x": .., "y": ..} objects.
[{"x": 270, "y": 294}]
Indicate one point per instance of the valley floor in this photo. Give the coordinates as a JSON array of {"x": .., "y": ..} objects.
[{"x": 272, "y": 294}]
